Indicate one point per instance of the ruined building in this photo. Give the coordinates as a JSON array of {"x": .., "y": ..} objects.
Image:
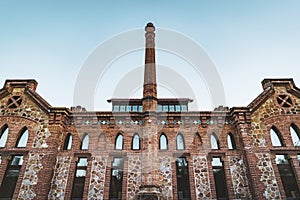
[{"x": 150, "y": 148}]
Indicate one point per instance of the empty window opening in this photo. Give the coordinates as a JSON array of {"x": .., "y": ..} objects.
[
  {"x": 11, "y": 177},
  {"x": 23, "y": 138},
  {"x": 214, "y": 141},
  {"x": 275, "y": 139},
  {"x": 183, "y": 183},
  {"x": 116, "y": 179},
  {"x": 231, "y": 142},
  {"x": 119, "y": 142},
  {"x": 180, "y": 142},
  {"x": 3, "y": 135},
  {"x": 68, "y": 142},
  {"x": 79, "y": 178},
  {"x": 136, "y": 142},
  {"x": 287, "y": 177},
  {"x": 85, "y": 142},
  {"x": 220, "y": 178},
  {"x": 163, "y": 142},
  {"x": 295, "y": 135}
]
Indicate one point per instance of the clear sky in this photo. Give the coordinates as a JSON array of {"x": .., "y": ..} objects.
[{"x": 247, "y": 40}]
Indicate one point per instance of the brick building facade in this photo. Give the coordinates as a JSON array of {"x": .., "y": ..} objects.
[{"x": 150, "y": 148}]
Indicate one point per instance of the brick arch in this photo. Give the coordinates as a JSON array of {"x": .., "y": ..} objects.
[
  {"x": 21, "y": 136},
  {"x": 279, "y": 135}
]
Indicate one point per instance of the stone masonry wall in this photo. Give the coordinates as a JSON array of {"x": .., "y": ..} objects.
[
  {"x": 96, "y": 187},
  {"x": 165, "y": 175},
  {"x": 60, "y": 178},
  {"x": 30, "y": 178},
  {"x": 134, "y": 176},
  {"x": 264, "y": 164},
  {"x": 239, "y": 179},
  {"x": 201, "y": 177}
]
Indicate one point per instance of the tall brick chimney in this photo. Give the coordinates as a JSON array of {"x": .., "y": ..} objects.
[{"x": 150, "y": 87}]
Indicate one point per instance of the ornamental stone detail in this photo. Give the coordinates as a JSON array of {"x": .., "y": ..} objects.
[
  {"x": 201, "y": 175},
  {"x": 96, "y": 187},
  {"x": 34, "y": 165},
  {"x": 239, "y": 178},
  {"x": 267, "y": 177},
  {"x": 134, "y": 176},
  {"x": 165, "y": 175},
  {"x": 60, "y": 178}
]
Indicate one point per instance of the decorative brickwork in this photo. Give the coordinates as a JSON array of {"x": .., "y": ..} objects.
[
  {"x": 201, "y": 177},
  {"x": 30, "y": 179},
  {"x": 134, "y": 176},
  {"x": 96, "y": 187},
  {"x": 165, "y": 175},
  {"x": 268, "y": 109},
  {"x": 264, "y": 164},
  {"x": 239, "y": 179},
  {"x": 60, "y": 178},
  {"x": 30, "y": 110}
]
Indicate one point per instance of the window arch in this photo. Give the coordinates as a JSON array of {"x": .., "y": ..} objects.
[
  {"x": 180, "y": 142},
  {"x": 163, "y": 142},
  {"x": 295, "y": 134},
  {"x": 23, "y": 138},
  {"x": 275, "y": 139},
  {"x": 135, "y": 142},
  {"x": 68, "y": 142},
  {"x": 231, "y": 142},
  {"x": 214, "y": 143},
  {"x": 85, "y": 142},
  {"x": 3, "y": 135},
  {"x": 119, "y": 142},
  {"x": 102, "y": 141},
  {"x": 197, "y": 141}
]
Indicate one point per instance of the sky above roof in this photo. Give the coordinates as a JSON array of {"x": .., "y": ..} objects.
[{"x": 246, "y": 41}]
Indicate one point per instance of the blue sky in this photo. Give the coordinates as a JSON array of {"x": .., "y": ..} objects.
[{"x": 247, "y": 40}]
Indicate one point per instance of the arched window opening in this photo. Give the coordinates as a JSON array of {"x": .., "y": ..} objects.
[
  {"x": 231, "y": 142},
  {"x": 3, "y": 135},
  {"x": 23, "y": 138},
  {"x": 119, "y": 142},
  {"x": 295, "y": 135},
  {"x": 102, "y": 141},
  {"x": 68, "y": 142},
  {"x": 163, "y": 142},
  {"x": 85, "y": 142},
  {"x": 275, "y": 139},
  {"x": 214, "y": 141},
  {"x": 180, "y": 142},
  {"x": 136, "y": 142}
]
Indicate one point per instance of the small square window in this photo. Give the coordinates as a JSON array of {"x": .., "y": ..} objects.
[
  {"x": 159, "y": 108},
  {"x": 165, "y": 108},
  {"x": 134, "y": 108},
  {"x": 171, "y": 108},
  {"x": 140, "y": 108},
  {"x": 177, "y": 108},
  {"x": 128, "y": 108},
  {"x": 184, "y": 108},
  {"x": 116, "y": 108},
  {"x": 122, "y": 108}
]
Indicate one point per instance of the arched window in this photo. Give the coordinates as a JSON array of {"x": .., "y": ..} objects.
[
  {"x": 102, "y": 141},
  {"x": 275, "y": 139},
  {"x": 85, "y": 142},
  {"x": 163, "y": 142},
  {"x": 23, "y": 138},
  {"x": 295, "y": 135},
  {"x": 197, "y": 141},
  {"x": 136, "y": 142},
  {"x": 3, "y": 135},
  {"x": 214, "y": 144},
  {"x": 230, "y": 142},
  {"x": 119, "y": 142},
  {"x": 68, "y": 142},
  {"x": 180, "y": 142}
]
